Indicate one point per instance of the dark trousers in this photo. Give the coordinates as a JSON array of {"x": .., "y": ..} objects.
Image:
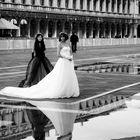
[{"x": 74, "y": 46}]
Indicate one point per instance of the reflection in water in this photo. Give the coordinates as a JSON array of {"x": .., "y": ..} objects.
[
  {"x": 115, "y": 125},
  {"x": 61, "y": 115},
  {"x": 119, "y": 124}
]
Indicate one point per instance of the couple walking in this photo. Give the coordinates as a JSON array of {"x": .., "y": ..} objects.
[{"x": 45, "y": 81}]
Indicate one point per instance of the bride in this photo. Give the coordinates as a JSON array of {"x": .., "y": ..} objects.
[{"x": 61, "y": 82}]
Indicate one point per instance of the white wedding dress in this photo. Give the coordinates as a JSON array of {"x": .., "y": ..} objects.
[{"x": 61, "y": 82}]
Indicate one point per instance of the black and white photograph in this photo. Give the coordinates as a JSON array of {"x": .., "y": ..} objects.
[{"x": 69, "y": 69}]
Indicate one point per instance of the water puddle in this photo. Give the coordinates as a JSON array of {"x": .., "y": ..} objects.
[{"x": 120, "y": 125}]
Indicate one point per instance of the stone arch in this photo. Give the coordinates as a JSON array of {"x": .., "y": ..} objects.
[
  {"x": 67, "y": 27},
  {"x": 138, "y": 31},
  {"x": 50, "y": 28},
  {"x": 95, "y": 29},
  {"x": 101, "y": 30},
  {"x": 107, "y": 29},
  {"x": 43, "y": 26},
  {"x": 59, "y": 27},
  {"x": 33, "y": 28},
  {"x": 118, "y": 30},
  {"x": 113, "y": 30},
  {"x": 123, "y": 30},
  {"x": 74, "y": 27},
  {"x": 14, "y": 21},
  {"x": 88, "y": 29},
  {"x": 23, "y": 28},
  {"x": 81, "y": 29}
]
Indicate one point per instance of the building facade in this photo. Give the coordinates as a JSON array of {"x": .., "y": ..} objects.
[{"x": 93, "y": 19}]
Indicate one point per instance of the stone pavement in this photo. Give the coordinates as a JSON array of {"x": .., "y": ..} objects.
[
  {"x": 13, "y": 62},
  {"x": 84, "y": 54},
  {"x": 91, "y": 84}
]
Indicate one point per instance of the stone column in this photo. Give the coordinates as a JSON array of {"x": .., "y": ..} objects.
[
  {"x": 115, "y": 30},
  {"x": 71, "y": 26},
  {"x": 98, "y": 5},
  {"x": 104, "y": 6},
  {"x": 126, "y": 29},
  {"x": 38, "y": 26},
  {"x": 131, "y": 30},
  {"x": 46, "y": 33},
  {"x": 78, "y": 4},
  {"x": 46, "y": 2},
  {"x": 91, "y": 5},
  {"x": 121, "y": 29},
  {"x": 55, "y": 3},
  {"x": 120, "y": 10},
  {"x": 136, "y": 7},
  {"x": 91, "y": 26},
  {"x": 37, "y": 2},
  {"x": 126, "y": 6},
  {"x": 55, "y": 29},
  {"x": 98, "y": 30},
  {"x": 70, "y": 4},
  {"x": 18, "y": 24},
  {"x": 78, "y": 31},
  {"x": 109, "y": 35},
  {"x": 8, "y": 1},
  {"x": 93, "y": 2},
  {"x": 28, "y": 27},
  {"x": 85, "y": 29},
  {"x": 18, "y": 1},
  {"x": 85, "y": 5},
  {"x": 115, "y": 6},
  {"x": 104, "y": 33},
  {"x": 109, "y": 6},
  {"x": 63, "y": 3},
  {"x": 63, "y": 25},
  {"x": 28, "y": 2},
  {"x": 135, "y": 29}
]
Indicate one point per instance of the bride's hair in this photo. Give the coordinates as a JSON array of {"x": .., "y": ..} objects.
[{"x": 64, "y": 35}]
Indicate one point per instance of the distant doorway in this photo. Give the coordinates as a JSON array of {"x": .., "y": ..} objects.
[{"x": 138, "y": 31}]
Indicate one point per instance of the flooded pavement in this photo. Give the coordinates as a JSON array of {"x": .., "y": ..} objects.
[
  {"x": 121, "y": 124},
  {"x": 64, "y": 122}
]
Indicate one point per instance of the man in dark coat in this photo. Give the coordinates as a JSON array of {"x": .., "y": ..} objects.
[{"x": 74, "y": 39}]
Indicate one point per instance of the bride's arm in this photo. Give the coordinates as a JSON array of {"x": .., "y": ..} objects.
[{"x": 58, "y": 51}]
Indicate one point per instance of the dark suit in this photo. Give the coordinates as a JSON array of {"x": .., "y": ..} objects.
[{"x": 74, "y": 39}]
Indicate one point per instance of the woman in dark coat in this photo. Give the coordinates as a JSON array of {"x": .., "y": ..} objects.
[{"x": 39, "y": 66}]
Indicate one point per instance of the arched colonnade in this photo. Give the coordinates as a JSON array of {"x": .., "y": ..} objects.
[{"x": 96, "y": 28}]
